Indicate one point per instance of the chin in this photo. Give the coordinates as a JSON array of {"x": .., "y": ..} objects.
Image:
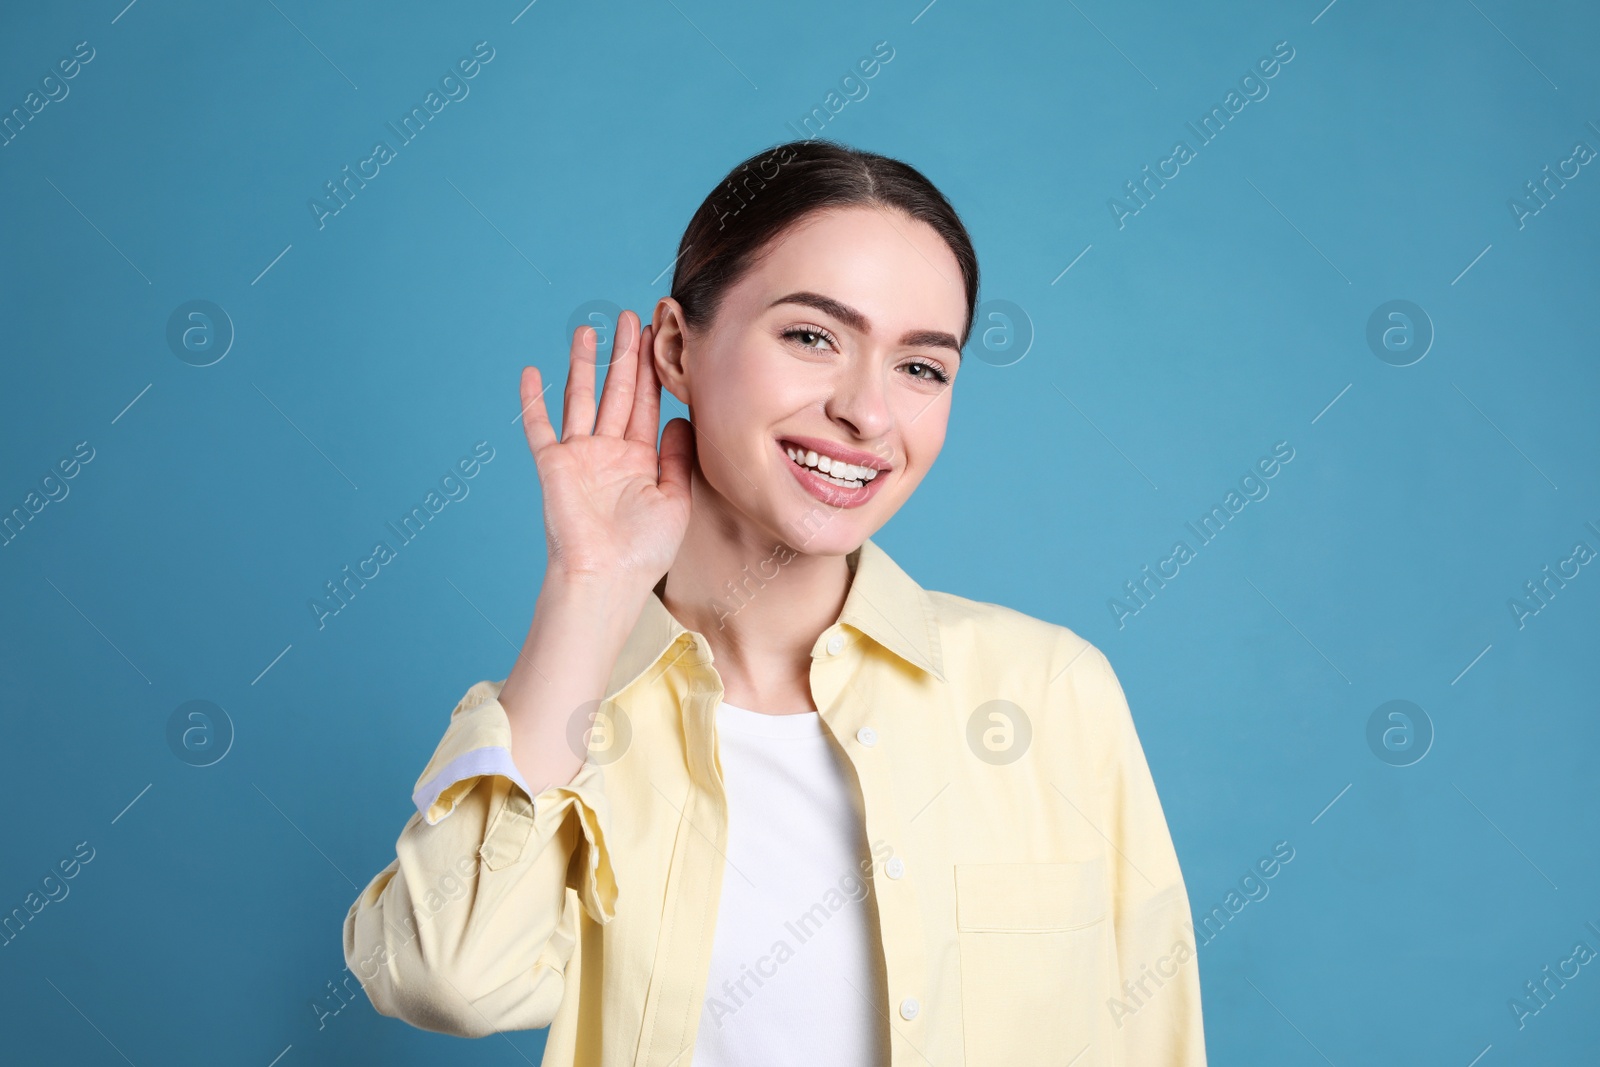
[{"x": 825, "y": 532}]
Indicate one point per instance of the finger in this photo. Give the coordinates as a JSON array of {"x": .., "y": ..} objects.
[
  {"x": 616, "y": 396},
  {"x": 535, "y": 419},
  {"x": 577, "y": 411},
  {"x": 677, "y": 458},
  {"x": 645, "y": 421}
]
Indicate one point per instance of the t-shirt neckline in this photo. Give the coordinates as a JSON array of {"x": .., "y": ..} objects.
[{"x": 744, "y": 721}]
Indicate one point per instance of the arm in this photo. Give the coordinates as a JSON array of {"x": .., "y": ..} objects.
[
  {"x": 1156, "y": 951},
  {"x": 469, "y": 930}
]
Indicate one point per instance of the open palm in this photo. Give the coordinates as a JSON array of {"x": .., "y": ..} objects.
[{"x": 615, "y": 507}]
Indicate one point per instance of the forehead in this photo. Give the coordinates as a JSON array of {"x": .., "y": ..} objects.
[{"x": 894, "y": 269}]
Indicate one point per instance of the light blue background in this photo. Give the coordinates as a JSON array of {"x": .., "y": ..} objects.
[{"x": 1226, "y": 316}]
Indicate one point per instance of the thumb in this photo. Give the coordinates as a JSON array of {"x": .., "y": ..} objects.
[{"x": 677, "y": 458}]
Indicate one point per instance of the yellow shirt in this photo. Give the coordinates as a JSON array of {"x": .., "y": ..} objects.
[{"x": 1030, "y": 903}]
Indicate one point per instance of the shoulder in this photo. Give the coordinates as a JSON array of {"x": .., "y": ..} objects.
[
  {"x": 994, "y": 632},
  {"x": 1062, "y": 681}
]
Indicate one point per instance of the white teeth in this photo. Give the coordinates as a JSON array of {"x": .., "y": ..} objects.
[{"x": 833, "y": 470}]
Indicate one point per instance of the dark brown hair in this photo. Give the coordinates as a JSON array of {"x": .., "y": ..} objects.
[{"x": 774, "y": 189}]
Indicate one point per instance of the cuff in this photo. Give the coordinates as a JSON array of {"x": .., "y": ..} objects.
[
  {"x": 438, "y": 795},
  {"x": 477, "y": 745}
]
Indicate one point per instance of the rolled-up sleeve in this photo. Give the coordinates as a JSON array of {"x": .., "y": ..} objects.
[
  {"x": 469, "y": 930},
  {"x": 1150, "y": 904}
]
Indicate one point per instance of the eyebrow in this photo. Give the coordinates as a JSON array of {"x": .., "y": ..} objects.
[{"x": 858, "y": 322}]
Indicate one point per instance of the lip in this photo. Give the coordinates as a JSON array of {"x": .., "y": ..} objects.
[{"x": 825, "y": 491}]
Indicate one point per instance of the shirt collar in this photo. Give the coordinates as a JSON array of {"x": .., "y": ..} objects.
[{"x": 883, "y": 602}]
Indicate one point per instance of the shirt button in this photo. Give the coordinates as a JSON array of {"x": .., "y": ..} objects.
[
  {"x": 909, "y": 1008},
  {"x": 867, "y": 736},
  {"x": 835, "y": 644},
  {"x": 895, "y": 867}
]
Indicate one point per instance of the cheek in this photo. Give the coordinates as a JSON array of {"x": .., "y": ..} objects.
[
  {"x": 749, "y": 396},
  {"x": 922, "y": 426},
  {"x": 923, "y": 421},
  {"x": 735, "y": 411}
]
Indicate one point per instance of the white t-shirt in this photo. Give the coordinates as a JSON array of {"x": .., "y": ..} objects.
[{"x": 796, "y": 967}]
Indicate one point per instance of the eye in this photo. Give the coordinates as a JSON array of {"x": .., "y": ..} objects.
[
  {"x": 935, "y": 372},
  {"x": 807, "y": 336}
]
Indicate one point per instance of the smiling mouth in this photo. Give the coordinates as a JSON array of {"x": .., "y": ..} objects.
[{"x": 835, "y": 472}]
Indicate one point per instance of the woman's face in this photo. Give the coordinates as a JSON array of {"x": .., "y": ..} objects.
[{"x": 842, "y": 341}]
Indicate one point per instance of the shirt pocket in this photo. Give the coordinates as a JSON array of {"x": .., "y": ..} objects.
[{"x": 1036, "y": 963}]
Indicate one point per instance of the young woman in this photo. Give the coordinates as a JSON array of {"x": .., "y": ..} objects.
[{"x": 749, "y": 794}]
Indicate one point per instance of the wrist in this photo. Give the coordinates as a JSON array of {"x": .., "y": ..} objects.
[
  {"x": 606, "y": 605},
  {"x": 613, "y": 590}
]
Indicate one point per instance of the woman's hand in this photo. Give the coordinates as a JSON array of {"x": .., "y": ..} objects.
[{"x": 615, "y": 509}]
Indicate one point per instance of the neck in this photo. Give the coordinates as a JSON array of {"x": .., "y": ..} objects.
[{"x": 759, "y": 602}]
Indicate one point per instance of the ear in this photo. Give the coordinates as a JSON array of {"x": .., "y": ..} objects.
[{"x": 670, "y": 339}]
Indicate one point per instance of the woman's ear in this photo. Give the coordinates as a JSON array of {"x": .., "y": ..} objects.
[{"x": 670, "y": 340}]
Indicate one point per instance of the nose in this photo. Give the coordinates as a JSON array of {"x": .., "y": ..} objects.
[{"x": 859, "y": 401}]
